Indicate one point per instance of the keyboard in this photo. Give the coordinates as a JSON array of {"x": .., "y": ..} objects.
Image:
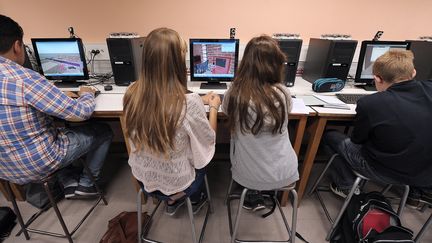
[
  {"x": 350, "y": 98},
  {"x": 220, "y": 95}
]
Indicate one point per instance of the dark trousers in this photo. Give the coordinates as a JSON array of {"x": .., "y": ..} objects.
[{"x": 350, "y": 158}]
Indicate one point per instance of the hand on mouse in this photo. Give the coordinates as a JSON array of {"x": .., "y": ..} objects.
[
  {"x": 71, "y": 94},
  {"x": 86, "y": 89}
]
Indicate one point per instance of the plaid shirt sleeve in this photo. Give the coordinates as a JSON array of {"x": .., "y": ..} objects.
[{"x": 47, "y": 98}]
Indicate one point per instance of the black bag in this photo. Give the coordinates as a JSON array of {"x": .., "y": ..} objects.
[
  {"x": 36, "y": 195},
  {"x": 360, "y": 209},
  {"x": 7, "y": 222}
]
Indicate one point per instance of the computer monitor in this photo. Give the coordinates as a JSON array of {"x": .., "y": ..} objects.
[
  {"x": 369, "y": 52},
  {"x": 61, "y": 59},
  {"x": 213, "y": 61}
]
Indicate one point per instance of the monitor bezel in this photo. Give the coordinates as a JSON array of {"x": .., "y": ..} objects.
[
  {"x": 66, "y": 78},
  {"x": 213, "y": 79},
  {"x": 366, "y": 81}
]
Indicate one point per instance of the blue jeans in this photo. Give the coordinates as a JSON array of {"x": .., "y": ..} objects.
[
  {"x": 92, "y": 139},
  {"x": 193, "y": 191},
  {"x": 350, "y": 158}
]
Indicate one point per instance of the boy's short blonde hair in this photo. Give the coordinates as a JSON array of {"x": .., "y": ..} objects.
[{"x": 394, "y": 65}]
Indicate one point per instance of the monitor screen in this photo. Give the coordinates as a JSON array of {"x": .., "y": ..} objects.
[
  {"x": 61, "y": 58},
  {"x": 213, "y": 60},
  {"x": 369, "y": 52}
]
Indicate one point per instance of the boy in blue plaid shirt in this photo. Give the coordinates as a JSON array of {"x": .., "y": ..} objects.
[{"x": 31, "y": 146}]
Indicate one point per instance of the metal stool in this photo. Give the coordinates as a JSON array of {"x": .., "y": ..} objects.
[
  {"x": 143, "y": 230},
  {"x": 231, "y": 196},
  {"x": 68, "y": 235},
  {"x": 359, "y": 182}
]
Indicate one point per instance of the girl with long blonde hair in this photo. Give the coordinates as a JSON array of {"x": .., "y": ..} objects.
[{"x": 171, "y": 138}]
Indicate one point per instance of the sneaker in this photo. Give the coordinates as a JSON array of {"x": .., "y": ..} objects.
[
  {"x": 69, "y": 191},
  {"x": 254, "y": 201},
  {"x": 414, "y": 197},
  {"x": 196, "y": 206},
  {"x": 172, "y": 209},
  {"x": 86, "y": 191},
  {"x": 342, "y": 192},
  {"x": 426, "y": 197}
]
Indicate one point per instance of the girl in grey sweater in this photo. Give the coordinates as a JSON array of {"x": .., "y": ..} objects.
[{"x": 257, "y": 105}]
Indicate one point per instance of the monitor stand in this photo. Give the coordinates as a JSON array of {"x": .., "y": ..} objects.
[
  {"x": 67, "y": 84},
  {"x": 213, "y": 85}
]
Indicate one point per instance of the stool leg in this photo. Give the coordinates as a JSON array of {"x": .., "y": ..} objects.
[
  {"x": 17, "y": 211},
  {"x": 294, "y": 216},
  {"x": 423, "y": 230},
  {"x": 237, "y": 221},
  {"x": 229, "y": 191},
  {"x": 208, "y": 194},
  {"x": 87, "y": 169},
  {"x": 403, "y": 200},
  {"x": 191, "y": 218},
  {"x": 57, "y": 211},
  {"x": 322, "y": 174},
  {"x": 386, "y": 189},
  {"x": 345, "y": 205},
  {"x": 139, "y": 215}
]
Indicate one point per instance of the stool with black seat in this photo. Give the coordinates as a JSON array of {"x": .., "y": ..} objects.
[
  {"x": 232, "y": 196},
  {"x": 358, "y": 183},
  {"x": 144, "y": 229},
  {"x": 46, "y": 183}
]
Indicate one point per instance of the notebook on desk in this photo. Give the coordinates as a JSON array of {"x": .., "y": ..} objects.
[{"x": 324, "y": 101}]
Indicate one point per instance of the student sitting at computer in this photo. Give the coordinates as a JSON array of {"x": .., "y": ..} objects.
[
  {"x": 392, "y": 136},
  {"x": 171, "y": 138},
  {"x": 257, "y": 105},
  {"x": 31, "y": 146}
]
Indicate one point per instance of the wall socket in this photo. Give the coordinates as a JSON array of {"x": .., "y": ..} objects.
[{"x": 103, "y": 51}]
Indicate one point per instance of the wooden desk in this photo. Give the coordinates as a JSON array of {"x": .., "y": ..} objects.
[
  {"x": 110, "y": 105},
  {"x": 316, "y": 129}
]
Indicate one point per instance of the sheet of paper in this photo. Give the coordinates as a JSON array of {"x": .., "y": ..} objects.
[
  {"x": 310, "y": 100},
  {"x": 332, "y": 102},
  {"x": 299, "y": 107},
  {"x": 330, "y": 99}
]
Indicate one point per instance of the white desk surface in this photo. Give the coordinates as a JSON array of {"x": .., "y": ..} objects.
[{"x": 113, "y": 100}]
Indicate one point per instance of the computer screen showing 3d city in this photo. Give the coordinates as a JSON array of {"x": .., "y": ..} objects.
[
  {"x": 213, "y": 60},
  {"x": 61, "y": 58},
  {"x": 370, "y": 51}
]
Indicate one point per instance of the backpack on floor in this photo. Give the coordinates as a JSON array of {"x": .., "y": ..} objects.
[
  {"x": 370, "y": 218},
  {"x": 7, "y": 222},
  {"x": 123, "y": 228}
]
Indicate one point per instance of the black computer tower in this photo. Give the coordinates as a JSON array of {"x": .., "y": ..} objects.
[
  {"x": 328, "y": 59},
  {"x": 422, "y": 51},
  {"x": 291, "y": 48},
  {"x": 126, "y": 58}
]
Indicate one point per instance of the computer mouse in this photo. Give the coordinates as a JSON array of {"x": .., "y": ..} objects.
[
  {"x": 97, "y": 92},
  {"x": 108, "y": 87}
]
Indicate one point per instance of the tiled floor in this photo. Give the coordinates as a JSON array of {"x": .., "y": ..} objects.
[{"x": 121, "y": 196}]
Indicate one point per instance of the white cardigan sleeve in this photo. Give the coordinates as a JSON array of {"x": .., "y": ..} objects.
[{"x": 201, "y": 136}]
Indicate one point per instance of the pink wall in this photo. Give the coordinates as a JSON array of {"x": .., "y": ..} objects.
[{"x": 94, "y": 19}]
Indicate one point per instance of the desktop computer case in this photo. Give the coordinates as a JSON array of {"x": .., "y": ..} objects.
[
  {"x": 422, "y": 51},
  {"x": 328, "y": 59},
  {"x": 126, "y": 58},
  {"x": 291, "y": 48}
]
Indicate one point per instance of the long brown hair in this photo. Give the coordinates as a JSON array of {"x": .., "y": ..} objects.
[
  {"x": 153, "y": 105},
  {"x": 255, "y": 87}
]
